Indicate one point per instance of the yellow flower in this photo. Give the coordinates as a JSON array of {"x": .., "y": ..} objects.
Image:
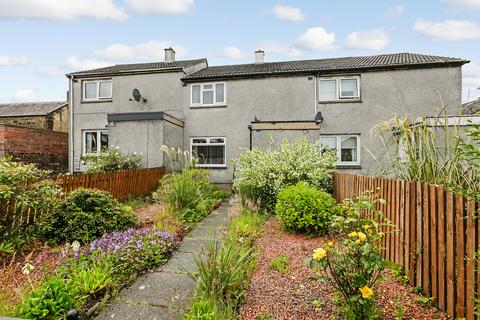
[
  {"x": 352, "y": 234},
  {"x": 358, "y": 241},
  {"x": 381, "y": 234},
  {"x": 361, "y": 236},
  {"x": 319, "y": 254},
  {"x": 366, "y": 227},
  {"x": 366, "y": 292},
  {"x": 330, "y": 244}
]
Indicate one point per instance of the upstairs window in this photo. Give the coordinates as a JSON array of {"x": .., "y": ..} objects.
[
  {"x": 94, "y": 141},
  {"x": 209, "y": 151},
  {"x": 346, "y": 146},
  {"x": 97, "y": 90},
  {"x": 208, "y": 94},
  {"x": 339, "y": 88}
]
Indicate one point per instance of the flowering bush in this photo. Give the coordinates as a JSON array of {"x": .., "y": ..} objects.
[
  {"x": 112, "y": 159},
  {"x": 353, "y": 265},
  {"x": 305, "y": 209},
  {"x": 260, "y": 174}
]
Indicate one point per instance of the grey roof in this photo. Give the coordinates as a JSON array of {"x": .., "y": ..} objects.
[
  {"x": 383, "y": 61},
  {"x": 470, "y": 107},
  {"x": 139, "y": 67},
  {"x": 29, "y": 108}
]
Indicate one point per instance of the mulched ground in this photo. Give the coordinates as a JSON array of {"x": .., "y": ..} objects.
[{"x": 293, "y": 295}]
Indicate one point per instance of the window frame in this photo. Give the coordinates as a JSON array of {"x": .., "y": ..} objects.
[
  {"x": 214, "y": 90},
  {"x": 338, "y": 88},
  {"x": 97, "y": 83},
  {"x": 208, "y": 143},
  {"x": 338, "y": 149},
  {"x": 99, "y": 145}
]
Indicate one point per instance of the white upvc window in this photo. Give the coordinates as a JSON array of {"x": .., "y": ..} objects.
[
  {"x": 209, "y": 152},
  {"x": 339, "y": 88},
  {"x": 94, "y": 141},
  {"x": 208, "y": 94},
  {"x": 346, "y": 146},
  {"x": 97, "y": 90}
]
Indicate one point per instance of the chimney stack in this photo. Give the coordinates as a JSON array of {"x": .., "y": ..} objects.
[
  {"x": 169, "y": 55},
  {"x": 259, "y": 56}
]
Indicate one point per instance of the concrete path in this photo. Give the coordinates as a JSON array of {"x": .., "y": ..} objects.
[{"x": 167, "y": 292}]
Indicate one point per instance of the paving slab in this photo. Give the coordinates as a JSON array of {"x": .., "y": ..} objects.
[{"x": 168, "y": 292}]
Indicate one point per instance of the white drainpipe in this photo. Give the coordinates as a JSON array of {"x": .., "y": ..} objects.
[{"x": 71, "y": 139}]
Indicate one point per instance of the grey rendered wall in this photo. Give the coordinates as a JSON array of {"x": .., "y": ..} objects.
[
  {"x": 163, "y": 91},
  {"x": 416, "y": 92},
  {"x": 144, "y": 137},
  {"x": 172, "y": 137}
]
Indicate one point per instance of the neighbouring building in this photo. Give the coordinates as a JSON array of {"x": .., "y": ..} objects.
[
  {"x": 52, "y": 115},
  {"x": 214, "y": 111},
  {"x": 35, "y": 132}
]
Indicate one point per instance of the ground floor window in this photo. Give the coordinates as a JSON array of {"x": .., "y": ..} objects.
[
  {"x": 94, "y": 141},
  {"x": 346, "y": 146},
  {"x": 209, "y": 151}
]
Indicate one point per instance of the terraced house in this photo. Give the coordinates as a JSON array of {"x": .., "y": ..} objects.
[{"x": 214, "y": 111}]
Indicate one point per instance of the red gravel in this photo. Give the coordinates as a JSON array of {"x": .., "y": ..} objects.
[{"x": 275, "y": 295}]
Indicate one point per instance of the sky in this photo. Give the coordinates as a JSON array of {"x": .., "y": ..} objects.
[{"x": 42, "y": 40}]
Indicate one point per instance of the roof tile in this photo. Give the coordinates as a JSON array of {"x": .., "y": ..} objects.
[{"x": 29, "y": 108}]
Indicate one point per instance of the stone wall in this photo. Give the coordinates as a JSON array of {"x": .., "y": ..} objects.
[
  {"x": 48, "y": 149},
  {"x": 56, "y": 121}
]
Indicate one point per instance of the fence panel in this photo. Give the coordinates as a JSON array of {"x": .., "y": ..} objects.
[
  {"x": 435, "y": 237},
  {"x": 121, "y": 184}
]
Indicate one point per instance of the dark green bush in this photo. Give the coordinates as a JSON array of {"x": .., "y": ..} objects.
[
  {"x": 301, "y": 208},
  {"x": 85, "y": 215}
]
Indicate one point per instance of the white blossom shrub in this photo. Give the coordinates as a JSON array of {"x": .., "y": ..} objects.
[{"x": 260, "y": 174}]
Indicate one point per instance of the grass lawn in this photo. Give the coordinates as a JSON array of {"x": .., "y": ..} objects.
[{"x": 281, "y": 286}]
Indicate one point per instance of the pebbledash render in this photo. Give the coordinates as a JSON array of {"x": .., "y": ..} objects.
[{"x": 215, "y": 111}]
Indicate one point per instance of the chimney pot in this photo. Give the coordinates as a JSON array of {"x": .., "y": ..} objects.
[
  {"x": 259, "y": 56},
  {"x": 169, "y": 54}
]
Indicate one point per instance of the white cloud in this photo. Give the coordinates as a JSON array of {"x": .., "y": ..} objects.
[
  {"x": 49, "y": 71},
  {"x": 280, "y": 49},
  {"x": 316, "y": 39},
  {"x": 463, "y": 4},
  {"x": 25, "y": 95},
  {"x": 471, "y": 74},
  {"x": 288, "y": 13},
  {"x": 12, "y": 61},
  {"x": 74, "y": 63},
  {"x": 394, "y": 11},
  {"x": 62, "y": 9},
  {"x": 233, "y": 53},
  {"x": 150, "y": 50},
  {"x": 450, "y": 30},
  {"x": 376, "y": 39},
  {"x": 159, "y": 6}
]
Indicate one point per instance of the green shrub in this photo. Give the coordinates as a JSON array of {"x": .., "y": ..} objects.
[
  {"x": 260, "y": 174},
  {"x": 51, "y": 300},
  {"x": 33, "y": 194},
  {"x": 302, "y": 208},
  {"x": 189, "y": 194},
  {"x": 112, "y": 159},
  {"x": 85, "y": 215}
]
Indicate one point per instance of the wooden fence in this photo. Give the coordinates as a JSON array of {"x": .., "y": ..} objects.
[
  {"x": 121, "y": 184},
  {"x": 435, "y": 239}
]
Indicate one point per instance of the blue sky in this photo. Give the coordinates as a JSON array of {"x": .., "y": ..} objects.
[{"x": 44, "y": 39}]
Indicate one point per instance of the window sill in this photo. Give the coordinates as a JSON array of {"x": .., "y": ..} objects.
[
  {"x": 209, "y": 106},
  {"x": 211, "y": 168},
  {"x": 341, "y": 101},
  {"x": 97, "y": 101},
  {"x": 349, "y": 166}
]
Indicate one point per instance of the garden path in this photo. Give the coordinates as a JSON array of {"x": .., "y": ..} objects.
[{"x": 167, "y": 292}]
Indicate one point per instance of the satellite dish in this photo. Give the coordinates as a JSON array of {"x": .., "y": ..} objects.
[
  {"x": 137, "y": 96},
  {"x": 318, "y": 117}
]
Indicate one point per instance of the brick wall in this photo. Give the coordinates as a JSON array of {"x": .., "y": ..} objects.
[{"x": 48, "y": 149}]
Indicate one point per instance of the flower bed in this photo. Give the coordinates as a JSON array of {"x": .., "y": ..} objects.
[{"x": 273, "y": 294}]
